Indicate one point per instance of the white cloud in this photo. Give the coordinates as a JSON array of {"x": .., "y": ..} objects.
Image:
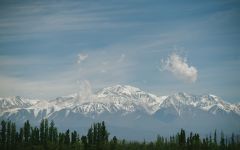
[
  {"x": 85, "y": 91},
  {"x": 179, "y": 67},
  {"x": 82, "y": 57}
]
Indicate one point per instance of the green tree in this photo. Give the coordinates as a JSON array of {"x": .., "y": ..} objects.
[
  {"x": 13, "y": 134},
  {"x": 34, "y": 135},
  {"x": 222, "y": 141},
  {"x": 51, "y": 131},
  {"x": 61, "y": 138},
  {"x": 215, "y": 137},
  {"x": 67, "y": 137},
  {"x": 90, "y": 136},
  {"x": 55, "y": 135},
  {"x": 196, "y": 141},
  {"x": 232, "y": 145},
  {"x": 104, "y": 133},
  {"x": 84, "y": 141},
  {"x": 21, "y": 135},
  {"x": 99, "y": 135},
  {"x": 46, "y": 136},
  {"x": 95, "y": 134},
  {"x": 8, "y": 134},
  {"x": 159, "y": 142},
  {"x": 74, "y": 137},
  {"x": 42, "y": 131},
  {"x": 114, "y": 143},
  {"x": 3, "y": 132},
  {"x": 26, "y": 128},
  {"x": 182, "y": 138}
]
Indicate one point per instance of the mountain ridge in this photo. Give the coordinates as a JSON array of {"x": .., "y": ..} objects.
[
  {"x": 123, "y": 94},
  {"x": 124, "y": 106}
]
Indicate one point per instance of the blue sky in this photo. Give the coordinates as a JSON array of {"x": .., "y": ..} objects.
[{"x": 47, "y": 49}]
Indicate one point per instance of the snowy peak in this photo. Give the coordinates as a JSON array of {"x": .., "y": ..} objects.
[
  {"x": 181, "y": 102},
  {"x": 15, "y": 102},
  {"x": 124, "y": 96},
  {"x": 122, "y": 90},
  {"x": 127, "y": 92}
]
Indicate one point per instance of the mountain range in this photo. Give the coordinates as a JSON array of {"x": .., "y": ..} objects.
[{"x": 128, "y": 112}]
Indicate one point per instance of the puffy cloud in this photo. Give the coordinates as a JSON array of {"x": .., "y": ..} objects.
[
  {"x": 179, "y": 67},
  {"x": 82, "y": 57}
]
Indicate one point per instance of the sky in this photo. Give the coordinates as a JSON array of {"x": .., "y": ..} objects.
[{"x": 50, "y": 49}]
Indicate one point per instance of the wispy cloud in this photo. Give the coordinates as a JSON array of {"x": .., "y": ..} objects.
[
  {"x": 85, "y": 92},
  {"x": 180, "y": 68},
  {"x": 29, "y": 19},
  {"x": 82, "y": 57}
]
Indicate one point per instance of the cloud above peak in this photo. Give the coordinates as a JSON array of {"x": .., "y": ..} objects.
[{"x": 179, "y": 67}]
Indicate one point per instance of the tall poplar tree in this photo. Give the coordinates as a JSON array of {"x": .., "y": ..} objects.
[
  {"x": 8, "y": 134},
  {"x": 3, "y": 132},
  {"x": 51, "y": 131},
  {"x": 46, "y": 136},
  {"x": 13, "y": 134},
  {"x": 26, "y": 131},
  {"x": 67, "y": 137},
  {"x": 42, "y": 131}
]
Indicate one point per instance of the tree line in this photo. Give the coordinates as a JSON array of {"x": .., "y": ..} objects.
[{"x": 47, "y": 137}]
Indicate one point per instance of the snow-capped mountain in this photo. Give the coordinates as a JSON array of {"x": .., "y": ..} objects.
[
  {"x": 125, "y": 106},
  {"x": 15, "y": 102},
  {"x": 182, "y": 102}
]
